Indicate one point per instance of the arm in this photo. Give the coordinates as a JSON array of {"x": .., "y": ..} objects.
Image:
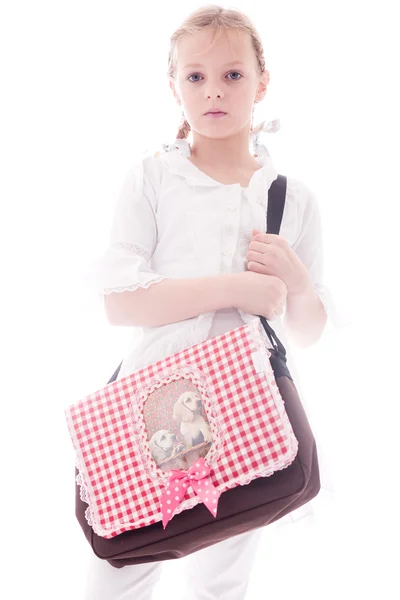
[
  {"x": 170, "y": 300},
  {"x": 305, "y": 317},
  {"x": 300, "y": 267},
  {"x": 173, "y": 300}
]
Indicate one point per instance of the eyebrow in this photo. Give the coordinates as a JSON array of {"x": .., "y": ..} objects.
[{"x": 196, "y": 65}]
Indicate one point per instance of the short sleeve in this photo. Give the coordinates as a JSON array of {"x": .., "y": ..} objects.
[
  {"x": 125, "y": 265},
  {"x": 310, "y": 249}
]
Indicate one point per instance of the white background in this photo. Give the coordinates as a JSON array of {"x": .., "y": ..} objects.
[{"x": 84, "y": 92}]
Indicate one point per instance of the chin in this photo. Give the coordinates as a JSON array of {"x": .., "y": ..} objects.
[{"x": 217, "y": 133}]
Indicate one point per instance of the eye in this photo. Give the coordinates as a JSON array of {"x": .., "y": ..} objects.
[
  {"x": 235, "y": 73},
  {"x": 231, "y": 73},
  {"x": 193, "y": 75}
]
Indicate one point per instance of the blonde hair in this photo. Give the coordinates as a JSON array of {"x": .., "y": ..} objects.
[{"x": 213, "y": 17}]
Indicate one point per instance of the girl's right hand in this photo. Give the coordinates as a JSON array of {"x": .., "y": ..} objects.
[{"x": 261, "y": 295}]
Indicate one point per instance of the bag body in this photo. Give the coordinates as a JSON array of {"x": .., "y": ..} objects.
[{"x": 262, "y": 458}]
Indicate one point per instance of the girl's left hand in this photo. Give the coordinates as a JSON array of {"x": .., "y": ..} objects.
[{"x": 270, "y": 254}]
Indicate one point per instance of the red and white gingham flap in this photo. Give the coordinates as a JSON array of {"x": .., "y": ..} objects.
[{"x": 251, "y": 433}]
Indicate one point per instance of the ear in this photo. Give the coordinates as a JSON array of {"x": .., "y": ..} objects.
[
  {"x": 262, "y": 86},
  {"x": 181, "y": 413},
  {"x": 176, "y": 95},
  {"x": 176, "y": 413}
]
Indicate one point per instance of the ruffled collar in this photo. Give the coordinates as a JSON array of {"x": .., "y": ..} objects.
[{"x": 177, "y": 154}]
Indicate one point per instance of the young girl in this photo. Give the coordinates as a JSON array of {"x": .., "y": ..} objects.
[{"x": 189, "y": 258}]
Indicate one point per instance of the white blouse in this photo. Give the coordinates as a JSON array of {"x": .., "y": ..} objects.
[{"x": 171, "y": 220}]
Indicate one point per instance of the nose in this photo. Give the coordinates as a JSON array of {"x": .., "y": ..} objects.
[
  {"x": 213, "y": 89},
  {"x": 219, "y": 96}
]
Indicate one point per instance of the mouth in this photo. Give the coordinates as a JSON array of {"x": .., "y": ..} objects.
[{"x": 215, "y": 113}]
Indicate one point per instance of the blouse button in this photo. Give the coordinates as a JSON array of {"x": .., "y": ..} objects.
[
  {"x": 227, "y": 253},
  {"x": 232, "y": 208}
]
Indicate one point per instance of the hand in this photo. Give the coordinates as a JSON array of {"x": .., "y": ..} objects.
[
  {"x": 270, "y": 254},
  {"x": 260, "y": 295},
  {"x": 177, "y": 449}
]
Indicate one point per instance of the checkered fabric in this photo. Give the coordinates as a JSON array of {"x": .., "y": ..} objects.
[{"x": 123, "y": 490}]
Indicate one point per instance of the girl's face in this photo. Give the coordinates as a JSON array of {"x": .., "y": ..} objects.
[{"x": 225, "y": 76}]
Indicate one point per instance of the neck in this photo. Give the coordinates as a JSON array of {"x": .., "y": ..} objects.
[{"x": 231, "y": 151}]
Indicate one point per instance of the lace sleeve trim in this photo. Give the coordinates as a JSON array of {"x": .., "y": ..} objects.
[
  {"x": 134, "y": 286},
  {"x": 132, "y": 249}
]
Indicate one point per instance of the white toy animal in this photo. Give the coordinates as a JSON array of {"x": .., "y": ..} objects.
[
  {"x": 193, "y": 427},
  {"x": 163, "y": 445}
]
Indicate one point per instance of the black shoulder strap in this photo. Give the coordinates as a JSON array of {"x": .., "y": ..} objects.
[
  {"x": 115, "y": 374},
  {"x": 276, "y": 205}
]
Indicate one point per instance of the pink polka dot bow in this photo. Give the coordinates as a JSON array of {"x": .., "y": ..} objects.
[{"x": 180, "y": 481}]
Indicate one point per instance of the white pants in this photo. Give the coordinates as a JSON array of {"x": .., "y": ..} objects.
[{"x": 220, "y": 572}]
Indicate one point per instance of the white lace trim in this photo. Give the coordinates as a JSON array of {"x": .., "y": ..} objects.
[
  {"x": 134, "y": 286},
  {"x": 132, "y": 249},
  {"x": 83, "y": 494}
]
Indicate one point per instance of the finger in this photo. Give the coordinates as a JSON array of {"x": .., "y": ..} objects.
[
  {"x": 279, "y": 310},
  {"x": 260, "y": 257},
  {"x": 258, "y": 268},
  {"x": 260, "y": 247},
  {"x": 271, "y": 238},
  {"x": 277, "y": 313}
]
